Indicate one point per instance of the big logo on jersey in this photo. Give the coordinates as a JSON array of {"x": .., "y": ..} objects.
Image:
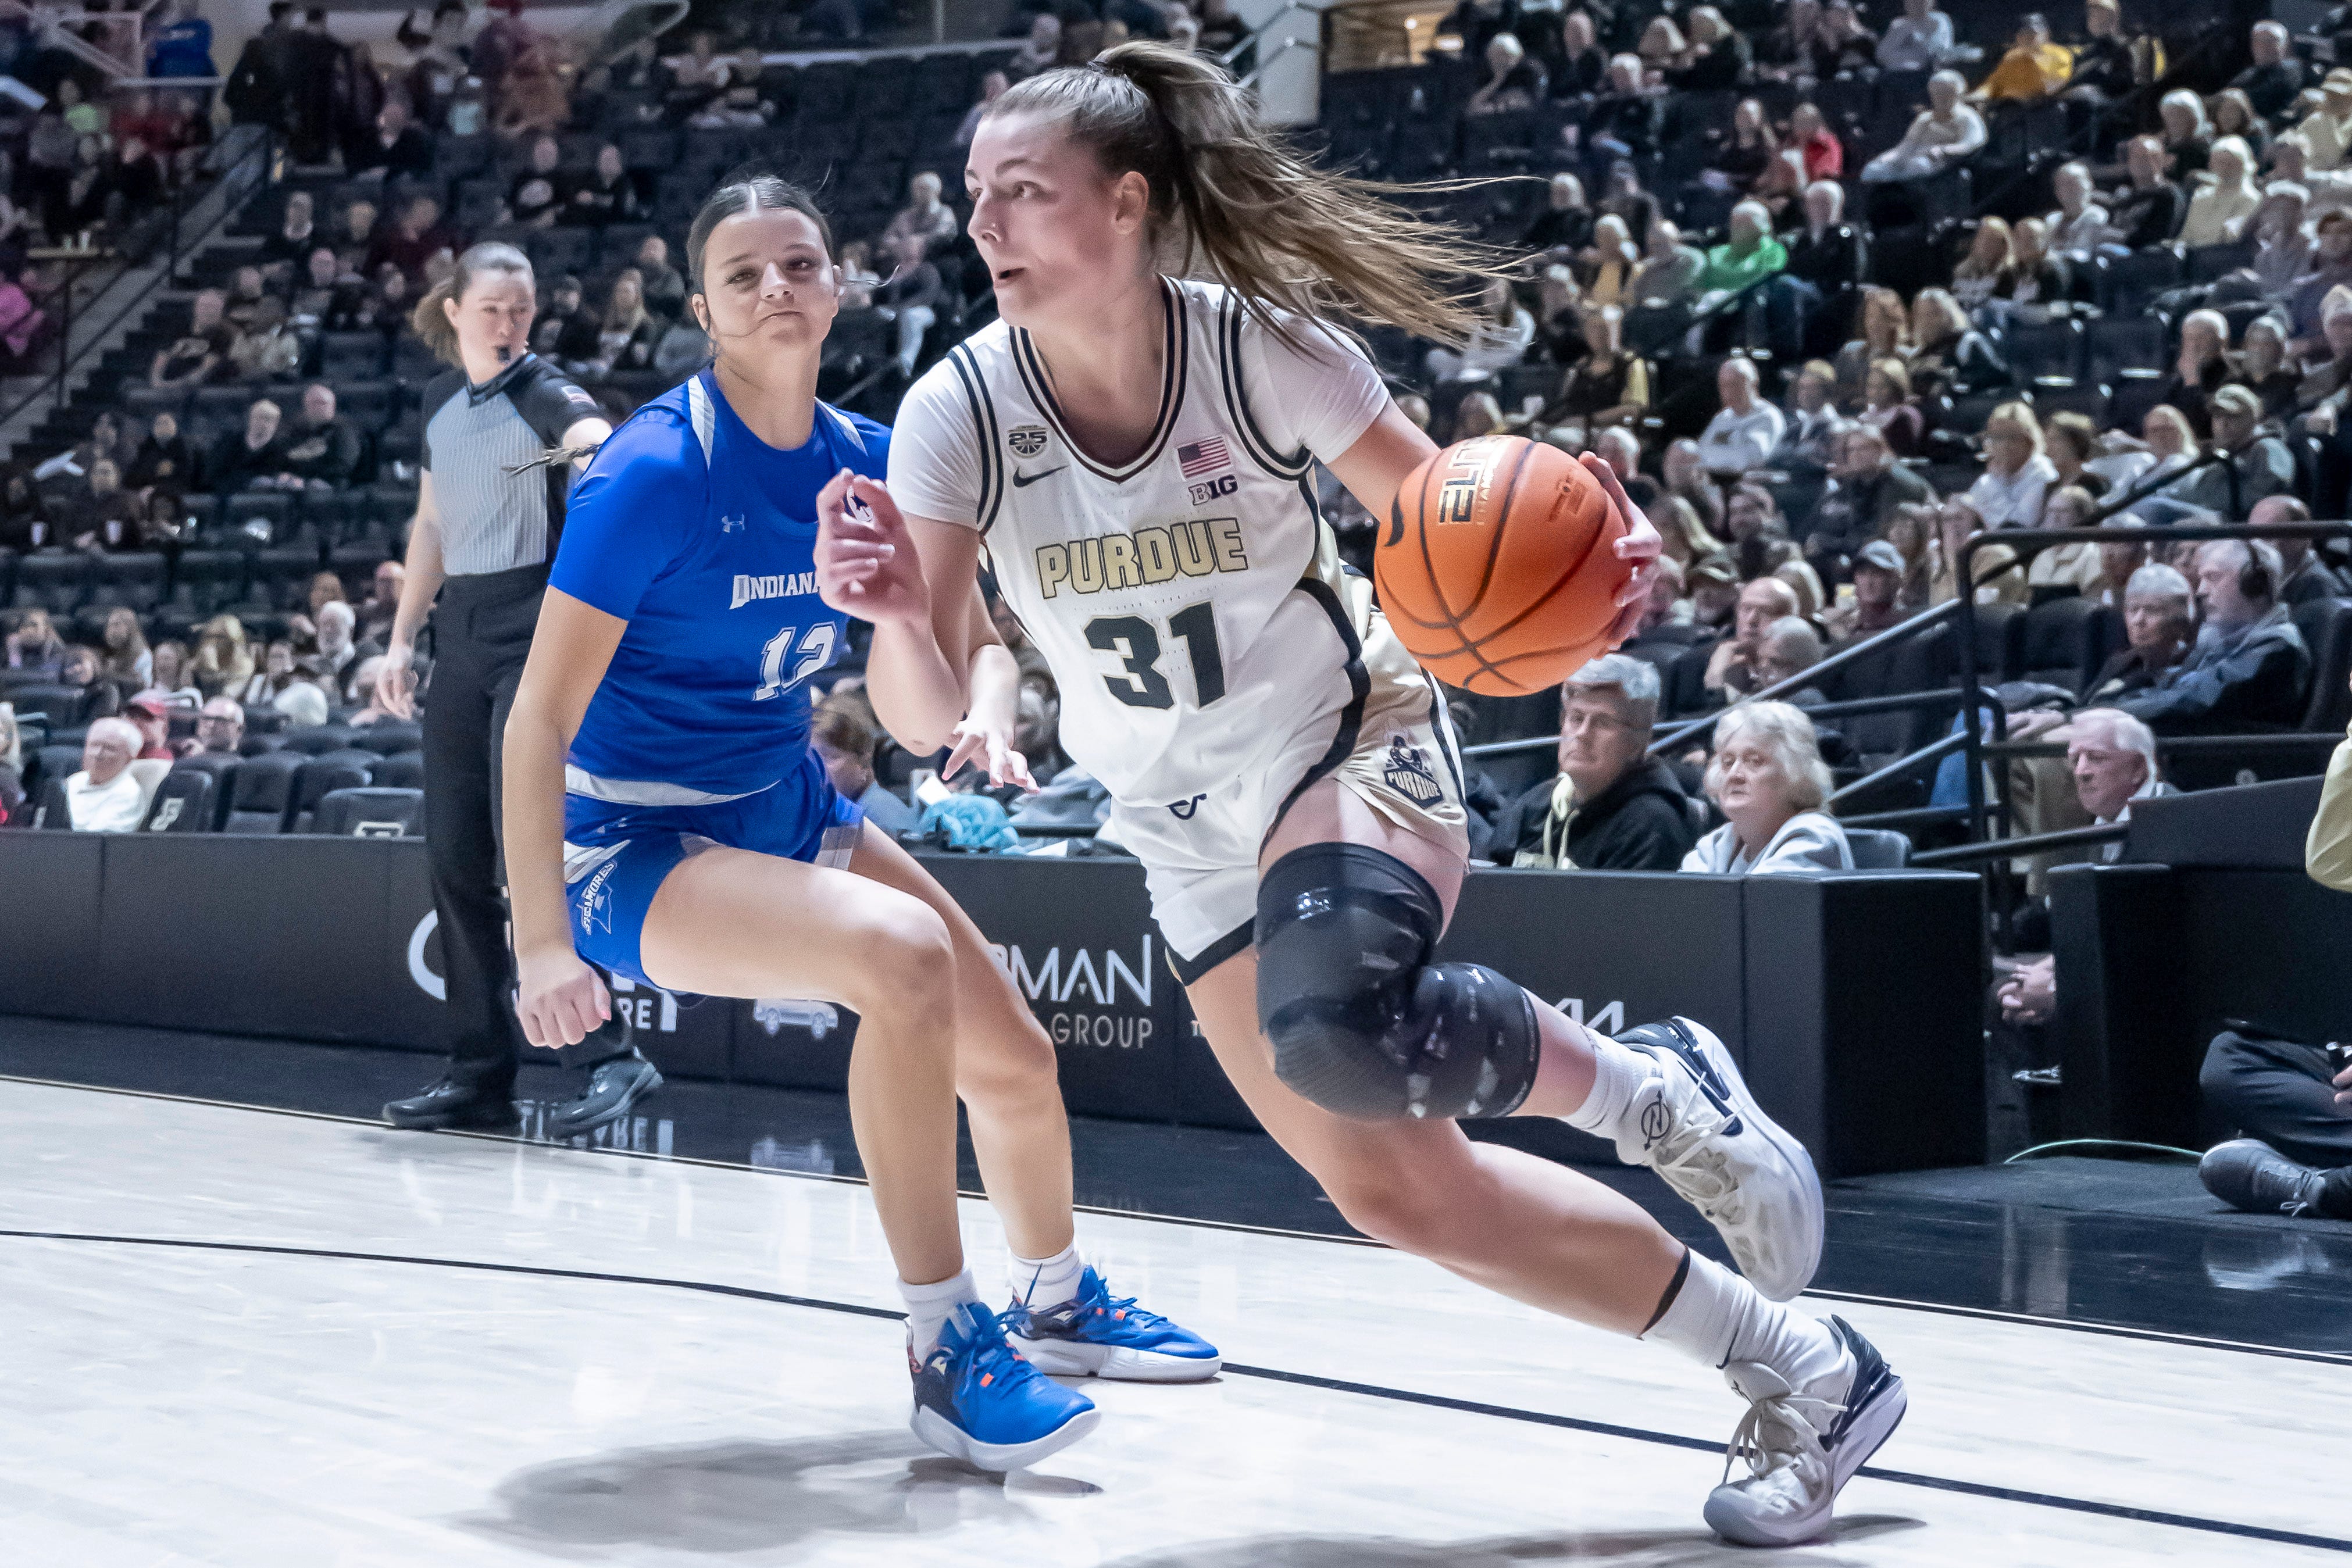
[{"x": 1146, "y": 556}]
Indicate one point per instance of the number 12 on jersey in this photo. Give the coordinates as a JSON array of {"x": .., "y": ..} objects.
[
  {"x": 1136, "y": 643},
  {"x": 815, "y": 653}
]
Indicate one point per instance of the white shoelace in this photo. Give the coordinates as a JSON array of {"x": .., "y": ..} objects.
[
  {"x": 1779, "y": 1414},
  {"x": 1688, "y": 1162}
]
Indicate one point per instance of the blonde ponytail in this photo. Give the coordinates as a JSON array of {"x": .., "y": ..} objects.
[
  {"x": 431, "y": 323},
  {"x": 1229, "y": 191}
]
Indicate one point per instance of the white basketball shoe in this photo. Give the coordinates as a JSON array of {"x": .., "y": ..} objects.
[
  {"x": 1802, "y": 1445},
  {"x": 1695, "y": 1123}
]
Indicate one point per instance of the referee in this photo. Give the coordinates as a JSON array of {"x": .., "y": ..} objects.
[{"x": 503, "y": 432}]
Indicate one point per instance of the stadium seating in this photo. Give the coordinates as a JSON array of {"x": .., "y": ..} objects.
[
  {"x": 182, "y": 803},
  {"x": 369, "y": 813},
  {"x": 261, "y": 792},
  {"x": 321, "y": 776}
]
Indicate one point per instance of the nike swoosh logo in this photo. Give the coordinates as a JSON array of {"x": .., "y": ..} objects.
[{"x": 1019, "y": 479}]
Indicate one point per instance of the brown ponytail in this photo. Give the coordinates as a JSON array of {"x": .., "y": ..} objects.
[
  {"x": 1231, "y": 192},
  {"x": 431, "y": 323}
]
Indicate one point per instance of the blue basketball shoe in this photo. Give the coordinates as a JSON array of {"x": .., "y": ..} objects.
[
  {"x": 1098, "y": 1335},
  {"x": 977, "y": 1400}
]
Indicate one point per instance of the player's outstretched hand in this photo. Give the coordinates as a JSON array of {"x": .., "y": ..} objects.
[
  {"x": 1639, "y": 546},
  {"x": 866, "y": 564},
  {"x": 562, "y": 1000},
  {"x": 975, "y": 739}
]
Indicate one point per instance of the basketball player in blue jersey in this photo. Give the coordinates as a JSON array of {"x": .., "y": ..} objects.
[
  {"x": 668, "y": 820},
  {"x": 1275, "y": 757}
]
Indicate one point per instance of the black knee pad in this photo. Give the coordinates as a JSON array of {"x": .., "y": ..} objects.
[{"x": 1363, "y": 1023}]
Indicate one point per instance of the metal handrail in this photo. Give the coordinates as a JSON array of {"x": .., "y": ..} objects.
[
  {"x": 1259, "y": 69},
  {"x": 2033, "y": 844},
  {"x": 1227, "y": 58},
  {"x": 1895, "y": 769},
  {"x": 1893, "y": 634},
  {"x": 1852, "y": 707}
]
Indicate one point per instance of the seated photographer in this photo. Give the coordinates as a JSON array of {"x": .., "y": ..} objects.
[
  {"x": 2290, "y": 1100},
  {"x": 1611, "y": 807},
  {"x": 1768, "y": 777}
]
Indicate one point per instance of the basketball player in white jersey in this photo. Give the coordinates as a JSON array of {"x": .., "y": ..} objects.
[{"x": 1130, "y": 453}]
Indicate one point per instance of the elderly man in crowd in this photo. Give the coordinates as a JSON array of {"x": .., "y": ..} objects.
[
  {"x": 1611, "y": 807},
  {"x": 220, "y": 728},
  {"x": 2249, "y": 666},
  {"x": 1731, "y": 669},
  {"x": 2303, "y": 575},
  {"x": 1789, "y": 647},
  {"x": 1744, "y": 431},
  {"x": 1877, "y": 591},
  {"x": 1866, "y": 486},
  {"x": 2292, "y": 1104},
  {"x": 105, "y": 797},
  {"x": 337, "y": 652},
  {"x": 2257, "y": 467}
]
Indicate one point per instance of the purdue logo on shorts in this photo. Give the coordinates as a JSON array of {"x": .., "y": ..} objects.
[
  {"x": 1410, "y": 775},
  {"x": 1026, "y": 440}
]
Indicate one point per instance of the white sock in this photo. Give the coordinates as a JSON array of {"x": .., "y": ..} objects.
[
  {"x": 1618, "y": 1072},
  {"x": 1718, "y": 1317},
  {"x": 928, "y": 1307},
  {"x": 1047, "y": 1282}
]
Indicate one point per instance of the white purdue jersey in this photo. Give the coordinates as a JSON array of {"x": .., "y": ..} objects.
[{"x": 1190, "y": 602}]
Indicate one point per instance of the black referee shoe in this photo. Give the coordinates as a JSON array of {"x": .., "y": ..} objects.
[
  {"x": 617, "y": 1083},
  {"x": 449, "y": 1104}
]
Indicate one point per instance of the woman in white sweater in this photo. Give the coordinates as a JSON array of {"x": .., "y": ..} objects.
[{"x": 1768, "y": 777}]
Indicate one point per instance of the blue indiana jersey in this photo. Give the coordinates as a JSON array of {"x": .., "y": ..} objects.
[{"x": 702, "y": 538}]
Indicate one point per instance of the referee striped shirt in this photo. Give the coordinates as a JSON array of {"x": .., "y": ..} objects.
[{"x": 491, "y": 520}]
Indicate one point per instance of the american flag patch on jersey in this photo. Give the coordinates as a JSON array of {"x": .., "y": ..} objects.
[{"x": 1199, "y": 456}]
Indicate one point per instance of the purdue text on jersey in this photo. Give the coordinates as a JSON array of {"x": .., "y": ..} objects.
[{"x": 1146, "y": 556}]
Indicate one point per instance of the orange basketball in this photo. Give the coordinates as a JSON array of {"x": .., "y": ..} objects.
[{"x": 1496, "y": 568}]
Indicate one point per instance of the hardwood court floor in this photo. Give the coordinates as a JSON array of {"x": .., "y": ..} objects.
[{"x": 240, "y": 1336}]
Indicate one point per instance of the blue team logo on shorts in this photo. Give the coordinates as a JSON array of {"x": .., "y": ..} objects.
[
  {"x": 597, "y": 899},
  {"x": 1410, "y": 775}
]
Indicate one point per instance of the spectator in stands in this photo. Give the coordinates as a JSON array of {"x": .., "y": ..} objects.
[
  {"x": 125, "y": 659},
  {"x": 182, "y": 46},
  {"x": 1868, "y": 487},
  {"x": 2262, "y": 367},
  {"x": 1825, "y": 255},
  {"x": 2017, "y": 476},
  {"x": 324, "y": 450},
  {"x": 380, "y": 307},
  {"x": 1564, "y": 225},
  {"x": 2187, "y": 135},
  {"x": 2113, "y": 759},
  {"x": 1582, "y": 66},
  {"x": 565, "y": 331},
  {"x": 1609, "y": 386},
  {"x": 738, "y": 106},
  {"x": 2232, "y": 114},
  {"x": 1880, "y": 572},
  {"x": 2118, "y": 562},
  {"x": 1731, "y": 668},
  {"x": 911, "y": 299},
  {"x": 224, "y": 660},
  {"x": 102, "y": 516},
  {"x": 2160, "y": 624},
  {"x": 1670, "y": 270},
  {"x": 2199, "y": 369},
  {"x": 1888, "y": 408},
  {"x": 35, "y": 645},
  {"x": 532, "y": 199},
  {"x": 1041, "y": 50},
  {"x": 220, "y": 728},
  {"x": 2036, "y": 278},
  {"x": 2326, "y": 190},
  {"x": 288, "y": 246},
  {"x": 414, "y": 241},
  {"x": 1611, "y": 806},
  {"x": 21, "y": 320},
  {"x": 1747, "y": 429},
  {"x": 845, "y": 742},
  {"x": 355, "y": 237},
  {"x": 1768, "y": 777},
  {"x": 24, "y": 522},
  {"x": 151, "y": 718},
  {"x": 1513, "y": 82},
  {"x": 604, "y": 194},
  {"x": 1787, "y": 52},
  {"x": 1945, "y": 135},
  {"x": 2072, "y": 568},
  {"x": 269, "y": 347},
  {"x": 253, "y": 456},
  {"x": 248, "y": 287},
  {"x": 192, "y": 360},
  {"x": 2071, "y": 441},
  {"x": 1988, "y": 269},
  {"x": 925, "y": 214},
  {"x": 2249, "y": 666},
  {"x": 1949, "y": 353},
  {"x": 1476, "y": 414},
  {"x": 80, "y": 670},
  {"x": 2326, "y": 130},
  {"x": 1918, "y": 41},
  {"x": 626, "y": 335},
  {"x": 2258, "y": 466},
  {"x": 394, "y": 147},
  {"x": 1747, "y": 256},
  {"x": 2106, "y": 63},
  {"x": 104, "y": 797},
  {"x": 1500, "y": 339},
  {"x": 383, "y": 604},
  {"x": 335, "y": 653},
  {"x": 2079, "y": 227},
  {"x": 2148, "y": 208},
  {"x": 2034, "y": 68},
  {"x": 2272, "y": 82},
  {"x": 992, "y": 87},
  {"x": 2222, "y": 207},
  {"x": 12, "y": 767},
  {"x": 662, "y": 288},
  {"x": 1996, "y": 577},
  {"x": 2304, "y": 576},
  {"x": 1788, "y": 648},
  {"x": 1682, "y": 538},
  {"x": 170, "y": 680}
]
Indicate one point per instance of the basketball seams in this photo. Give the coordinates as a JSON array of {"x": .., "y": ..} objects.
[
  {"x": 1558, "y": 583},
  {"x": 1494, "y": 539}
]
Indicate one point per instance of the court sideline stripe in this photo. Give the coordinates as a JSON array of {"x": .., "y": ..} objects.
[
  {"x": 1946, "y": 1309},
  {"x": 1270, "y": 1374}
]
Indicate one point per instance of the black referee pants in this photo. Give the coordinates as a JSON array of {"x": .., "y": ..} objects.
[
  {"x": 2278, "y": 1091},
  {"x": 481, "y": 636}
]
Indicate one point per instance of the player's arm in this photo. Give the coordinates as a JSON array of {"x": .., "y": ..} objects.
[
  {"x": 395, "y": 683},
  {"x": 870, "y": 564},
  {"x": 992, "y": 695},
  {"x": 562, "y": 999}
]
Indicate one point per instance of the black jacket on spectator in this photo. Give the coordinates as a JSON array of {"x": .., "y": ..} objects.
[
  {"x": 2316, "y": 579},
  {"x": 1642, "y": 822},
  {"x": 232, "y": 465},
  {"x": 1830, "y": 261},
  {"x": 1853, "y": 512},
  {"x": 1630, "y": 118},
  {"x": 1579, "y": 75},
  {"x": 587, "y": 199},
  {"x": 1557, "y": 226},
  {"x": 329, "y": 452},
  {"x": 410, "y": 152},
  {"x": 1718, "y": 70},
  {"x": 2259, "y": 675},
  {"x": 2146, "y": 218},
  {"x": 171, "y": 464},
  {"x": 2270, "y": 89},
  {"x": 2128, "y": 673},
  {"x": 2105, "y": 65}
]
